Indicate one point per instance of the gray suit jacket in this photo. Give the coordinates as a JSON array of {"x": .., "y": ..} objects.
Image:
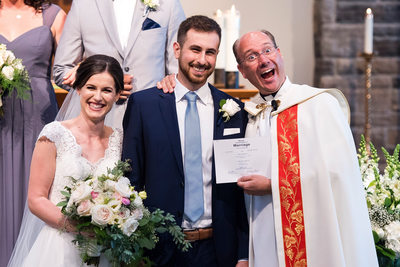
[{"x": 91, "y": 29}]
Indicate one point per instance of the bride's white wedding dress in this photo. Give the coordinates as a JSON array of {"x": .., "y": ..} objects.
[{"x": 53, "y": 247}]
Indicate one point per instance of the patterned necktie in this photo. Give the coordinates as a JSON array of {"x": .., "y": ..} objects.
[{"x": 193, "y": 161}]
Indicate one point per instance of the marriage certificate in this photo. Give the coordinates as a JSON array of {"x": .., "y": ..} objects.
[{"x": 235, "y": 158}]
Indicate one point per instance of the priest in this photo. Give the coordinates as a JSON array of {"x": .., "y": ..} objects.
[{"x": 309, "y": 209}]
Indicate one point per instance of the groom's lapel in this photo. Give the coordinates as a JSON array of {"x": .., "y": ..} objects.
[
  {"x": 218, "y": 120},
  {"x": 106, "y": 11},
  {"x": 170, "y": 119}
]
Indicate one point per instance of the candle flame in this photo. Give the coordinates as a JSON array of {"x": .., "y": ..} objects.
[
  {"x": 233, "y": 9},
  {"x": 369, "y": 11}
]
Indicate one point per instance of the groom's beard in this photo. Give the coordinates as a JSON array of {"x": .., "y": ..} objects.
[{"x": 190, "y": 73}]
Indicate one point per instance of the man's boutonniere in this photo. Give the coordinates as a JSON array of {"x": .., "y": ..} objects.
[
  {"x": 228, "y": 108},
  {"x": 150, "y": 5}
]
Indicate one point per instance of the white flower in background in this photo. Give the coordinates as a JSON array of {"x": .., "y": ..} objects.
[
  {"x": 123, "y": 187},
  {"x": 393, "y": 236},
  {"x": 8, "y": 72},
  {"x": 129, "y": 227},
  {"x": 109, "y": 184},
  {"x": 101, "y": 214}
]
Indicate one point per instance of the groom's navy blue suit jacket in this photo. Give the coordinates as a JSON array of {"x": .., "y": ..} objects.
[{"x": 152, "y": 143}]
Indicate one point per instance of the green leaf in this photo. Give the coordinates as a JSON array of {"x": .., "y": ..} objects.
[
  {"x": 65, "y": 193},
  {"x": 62, "y": 204},
  {"x": 387, "y": 202},
  {"x": 222, "y": 102}
]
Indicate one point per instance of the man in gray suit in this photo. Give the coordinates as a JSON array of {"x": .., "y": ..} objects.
[{"x": 140, "y": 36}]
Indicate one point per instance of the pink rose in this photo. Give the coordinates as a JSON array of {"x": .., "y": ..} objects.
[
  {"x": 125, "y": 201},
  {"x": 84, "y": 208},
  {"x": 94, "y": 194}
]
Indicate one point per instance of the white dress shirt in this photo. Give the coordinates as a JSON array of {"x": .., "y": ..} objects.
[
  {"x": 123, "y": 10},
  {"x": 205, "y": 108}
]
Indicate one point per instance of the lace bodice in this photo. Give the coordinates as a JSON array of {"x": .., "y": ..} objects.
[{"x": 71, "y": 163}]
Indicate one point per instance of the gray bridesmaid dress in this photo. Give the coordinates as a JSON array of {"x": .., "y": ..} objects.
[{"x": 21, "y": 124}]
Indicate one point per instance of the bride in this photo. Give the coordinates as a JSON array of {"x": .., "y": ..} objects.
[{"x": 73, "y": 148}]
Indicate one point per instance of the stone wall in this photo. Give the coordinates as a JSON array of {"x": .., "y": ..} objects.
[{"x": 339, "y": 41}]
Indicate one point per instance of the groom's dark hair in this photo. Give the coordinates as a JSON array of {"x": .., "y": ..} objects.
[
  {"x": 97, "y": 64},
  {"x": 198, "y": 23}
]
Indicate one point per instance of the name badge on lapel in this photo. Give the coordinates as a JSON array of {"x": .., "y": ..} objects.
[{"x": 230, "y": 131}]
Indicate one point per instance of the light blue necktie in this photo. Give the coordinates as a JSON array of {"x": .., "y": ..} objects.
[{"x": 193, "y": 163}]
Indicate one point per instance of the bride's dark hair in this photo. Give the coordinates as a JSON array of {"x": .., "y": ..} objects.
[{"x": 98, "y": 64}]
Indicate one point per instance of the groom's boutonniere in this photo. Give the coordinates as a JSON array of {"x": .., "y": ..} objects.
[
  {"x": 150, "y": 5},
  {"x": 228, "y": 108}
]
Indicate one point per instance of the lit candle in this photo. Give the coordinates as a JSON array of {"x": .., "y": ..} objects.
[
  {"x": 232, "y": 20},
  {"x": 219, "y": 18},
  {"x": 368, "y": 34}
]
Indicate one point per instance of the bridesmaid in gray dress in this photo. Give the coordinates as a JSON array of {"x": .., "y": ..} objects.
[{"x": 30, "y": 29}]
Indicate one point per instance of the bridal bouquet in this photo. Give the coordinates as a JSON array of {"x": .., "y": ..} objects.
[
  {"x": 112, "y": 220},
  {"x": 12, "y": 76},
  {"x": 383, "y": 200}
]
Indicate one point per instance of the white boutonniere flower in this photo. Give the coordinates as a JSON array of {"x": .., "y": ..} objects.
[
  {"x": 228, "y": 108},
  {"x": 150, "y": 5}
]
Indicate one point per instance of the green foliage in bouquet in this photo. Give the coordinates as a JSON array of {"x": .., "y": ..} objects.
[
  {"x": 13, "y": 76},
  {"x": 383, "y": 200},
  {"x": 125, "y": 228}
]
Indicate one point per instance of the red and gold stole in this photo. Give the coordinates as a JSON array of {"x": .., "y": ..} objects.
[{"x": 290, "y": 189}]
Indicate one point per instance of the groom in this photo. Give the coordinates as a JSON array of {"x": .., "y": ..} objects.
[{"x": 169, "y": 138}]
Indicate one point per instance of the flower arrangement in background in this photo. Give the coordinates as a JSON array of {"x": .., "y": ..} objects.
[
  {"x": 13, "y": 76},
  {"x": 112, "y": 220},
  {"x": 383, "y": 200}
]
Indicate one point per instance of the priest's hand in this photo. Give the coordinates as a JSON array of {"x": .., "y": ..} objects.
[
  {"x": 70, "y": 77},
  {"x": 167, "y": 84},
  {"x": 256, "y": 185},
  {"x": 126, "y": 92}
]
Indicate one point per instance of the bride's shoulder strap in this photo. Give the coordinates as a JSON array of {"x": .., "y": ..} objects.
[{"x": 53, "y": 132}]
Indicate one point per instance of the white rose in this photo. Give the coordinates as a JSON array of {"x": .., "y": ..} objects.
[
  {"x": 231, "y": 107},
  {"x": 124, "y": 213},
  {"x": 109, "y": 184},
  {"x": 8, "y": 72},
  {"x": 115, "y": 205},
  {"x": 129, "y": 226},
  {"x": 18, "y": 65},
  {"x": 84, "y": 208},
  {"x": 101, "y": 214},
  {"x": 8, "y": 56},
  {"x": 82, "y": 192},
  {"x": 138, "y": 200},
  {"x": 123, "y": 187},
  {"x": 137, "y": 214}
]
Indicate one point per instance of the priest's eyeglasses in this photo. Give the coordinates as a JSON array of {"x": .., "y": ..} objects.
[{"x": 269, "y": 52}]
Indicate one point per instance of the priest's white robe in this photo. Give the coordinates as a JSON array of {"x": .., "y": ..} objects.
[{"x": 337, "y": 227}]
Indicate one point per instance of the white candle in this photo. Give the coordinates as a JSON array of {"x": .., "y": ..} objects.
[
  {"x": 368, "y": 31},
  {"x": 232, "y": 20},
  {"x": 220, "y": 19}
]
